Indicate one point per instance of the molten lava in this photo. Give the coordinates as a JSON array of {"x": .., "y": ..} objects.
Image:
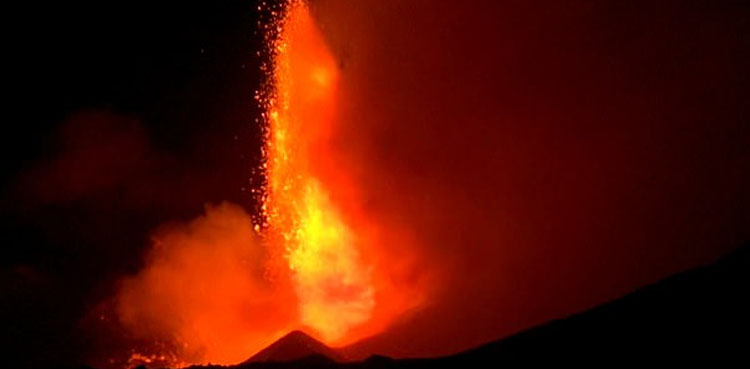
[
  {"x": 331, "y": 279},
  {"x": 219, "y": 289}
]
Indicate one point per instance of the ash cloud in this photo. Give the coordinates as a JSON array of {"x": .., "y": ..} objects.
[
  {"x": 97, "y": 152},
  {"x": 80, "y": 219},
  {"x": 543, "y": 158},
  {"x": 111, "y": 131}
]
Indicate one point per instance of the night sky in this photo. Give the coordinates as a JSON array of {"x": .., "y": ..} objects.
[
  {"x": 541, "y": 158},
  {"x": 121, "y": 116}
]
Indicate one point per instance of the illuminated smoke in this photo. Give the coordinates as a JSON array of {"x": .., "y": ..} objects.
[{"x": 203, "y": 290}]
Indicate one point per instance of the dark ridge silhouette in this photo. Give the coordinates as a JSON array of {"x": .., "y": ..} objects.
[
  {"x": 695, "y": 317},
  {"x": 293, "y": 346}
]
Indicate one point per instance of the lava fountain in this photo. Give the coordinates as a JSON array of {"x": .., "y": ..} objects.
[
  {"x": 319, "y": 233},
  {"x": 322, "y": 250},
  {"x": 224, "y": 286}
]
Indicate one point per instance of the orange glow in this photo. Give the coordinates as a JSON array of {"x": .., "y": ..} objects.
[
  {"x": 331, "y": 279},
  {"x": 221, "y": 288},
  {"x": 203, "y": 291},
  {"x": 350, "y": 269}
]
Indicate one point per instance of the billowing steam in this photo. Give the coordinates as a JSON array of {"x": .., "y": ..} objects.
[{"x": 204, "y": 290}]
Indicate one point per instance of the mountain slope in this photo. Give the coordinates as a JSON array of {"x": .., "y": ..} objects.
[
  {"x": 698, "y": 316},
  {"x": 701, "y": 315}
]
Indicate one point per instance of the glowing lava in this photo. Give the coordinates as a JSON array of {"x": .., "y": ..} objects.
[
  {"x": 333, "y": 284},
  {"x": 219, "y": 289}
]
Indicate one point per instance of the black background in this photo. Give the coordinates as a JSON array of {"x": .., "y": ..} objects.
[{"x": 184, "y": 74}]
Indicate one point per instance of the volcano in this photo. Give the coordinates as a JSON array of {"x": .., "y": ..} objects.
[
  {"x": 293, "y": 346},
  {"x": 692, "y": 316}
]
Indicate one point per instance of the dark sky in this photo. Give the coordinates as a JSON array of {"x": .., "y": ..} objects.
[
  {"x": 119, "y": 117},
  {"x": 545, "y": 157}
]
